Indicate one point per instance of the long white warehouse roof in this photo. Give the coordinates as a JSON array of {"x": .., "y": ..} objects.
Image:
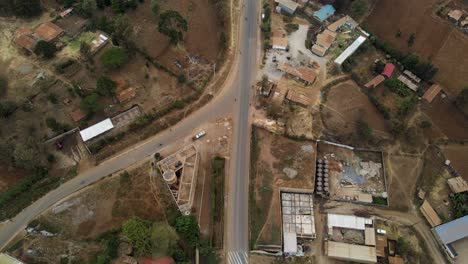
[
  {"x": 348, "y": 221},
  {"x": 350, "y": 50},
  {"x": 96, "y": 129}
]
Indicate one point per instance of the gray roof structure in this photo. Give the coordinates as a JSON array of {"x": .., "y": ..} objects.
[{"x": 453, "y": 231}]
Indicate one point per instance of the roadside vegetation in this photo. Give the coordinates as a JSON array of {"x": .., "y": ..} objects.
[{"x": 217, "y": 205}]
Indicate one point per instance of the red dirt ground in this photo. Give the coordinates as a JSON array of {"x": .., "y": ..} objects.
[
  {"x": 9, "y": 177},
  {"x": 458, "y": 155},
  {"x": 435, "y": 38}
]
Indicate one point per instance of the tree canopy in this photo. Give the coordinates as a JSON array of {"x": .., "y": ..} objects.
[
  {"x": 164, "y": 238},
  {"x": 187, "y": 226},
  {"x": 138, "y": 232},
  {"x": 173, "y": 25},
  {"x": 45, "y": 49},
  {"x": 21, "y": 8},
  {"x": 91, "y": 103},
  {"x": 105, "y": 86}
]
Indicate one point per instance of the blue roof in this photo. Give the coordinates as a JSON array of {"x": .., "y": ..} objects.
[
  {"x": 453, "y": 231},
  {"x": 325, "y": 12}
]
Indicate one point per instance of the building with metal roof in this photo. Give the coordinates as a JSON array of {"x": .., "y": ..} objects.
[
  {"x": 350, "y": 252},
  {"x": 388, "y": 69},
  {"x": 96, "y": 129},
  {"x": 7, "y": 259},
  {"x": 347, "y": 221},
  {"x": 430, "y": 214},
  {"x": 451, "y": 232},
  {"x": 325, "y": 12},
  {"x": 350, "y": 50},
  {"x": 287, "y": 5}
]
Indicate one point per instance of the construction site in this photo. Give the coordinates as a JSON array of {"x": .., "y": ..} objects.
[
  {"x": 179, "y": 172},
  {"x": 347, "y": 174}
]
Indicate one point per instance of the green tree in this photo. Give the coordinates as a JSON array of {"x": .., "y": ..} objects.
[
  {"x": 7, "y": 108},
  {"x": 3, "y": 85},
  {"x": 87, "y": 7},
  {"x": 187, "y": 226},
  {"x": 27, "y": 8},
  {"x": 460, "y": 204},
  {"x": 411, "y": 39},
  {"x": 163, "y": 238},
  {"x": 118, "y": 6},
  {"x": 138, "y": 232},
  {"x": 85, "y": 50},
  {"x": 359, "y": 8},
  {"x": 113, "y": 58},
  {"x": 173, "y": 25},
  {"x": 364, "y": 131},
  {"x": 91, "y": 103},
  {"x": 462, "y": 98},
  {"x": 105, "y": 86},
  {"x": 45, "y": 49},
  {"x": 155, "y": 7}
]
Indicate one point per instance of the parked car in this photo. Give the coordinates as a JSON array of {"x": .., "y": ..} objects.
[
  {"x": 199, "y": 135},
  {"x": 381, "y": 231},
  {"x": 58, "y": 145}
]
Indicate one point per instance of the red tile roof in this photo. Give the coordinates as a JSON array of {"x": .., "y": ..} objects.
[
  {"x": 161, "y": 260},
  {"x": 388, "y": 69},
  {"x": 126, "y": 94},
  {"x": 48, "y": 31},
  {"x": 77, "y": 115}
]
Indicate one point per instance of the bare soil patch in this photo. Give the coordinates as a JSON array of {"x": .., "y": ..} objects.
[
  {"x": 402, "y": 174},
  {"x": 275, "y": 154},
  {"x": 345, "y": 106}
]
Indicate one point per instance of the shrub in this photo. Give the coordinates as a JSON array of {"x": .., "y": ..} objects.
[
  {"x": 460, "y": 204},
  {"x": 138, "y": 232},
  {"x": 91, "y": 103},
  {"x": 7, "y": 108},
  {"x": 291, "y": 27},
  {"x": 359, "y": 8},
  {"x": 397, "y": 87},
  {"x": 364, "y": 130},
  {"x": 173, "y": 25},
  {"x": 113, "y": 58},
  {"x": 425, "y": 124},
  {"x": 411, "y": 39}
]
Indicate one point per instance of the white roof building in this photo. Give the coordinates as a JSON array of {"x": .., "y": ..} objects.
[
  {"x": 7, "y": 259},
  {"x": 350, "y": 252},
  {"x": 290, "y": 243},
  {"x": 96, "y": 129},
  {"x": 350, "y": 50},
  {"x": 347, "y": 221}
]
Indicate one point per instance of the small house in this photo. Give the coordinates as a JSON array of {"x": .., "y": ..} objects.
[
  {"x": 432, "y": 92},
  {"x": 325, "y": 12},
  {"x": 346, "y": 20},
  {"x": 455, "y": 15},
  {"x": 412, "y": 76},
  {"x": 266, "y": 89},
  {"x": 48, "y": 31},
  {"x": 323, "y": 43},
  {"x": 430, "y": 214},
  {"x": 457, "y": 184},
  {"x": 25, "y": 39},
  {"x": 388, "y": 70},
  {"x": 408, "y": 83},
  {"x": 287, "y": 6},
  {"x": 99, "y": 42},
  {"x": 297, "y": 98},
  {"x": 66, "y": 12},
  {"x": 395, "y": 260},
  {"x": 280, "y": 92},
  {"x": 279, "y": 43},
  {"x": 375, "y": 82},
  {"x": 303, "y": 74}
]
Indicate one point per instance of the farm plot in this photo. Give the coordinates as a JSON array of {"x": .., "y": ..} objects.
[
  {"x": 447, "y": 118},
  {"x": 345, "y": 106},
  {"x": 458, "y": 156},
  {"x": 279, "y": 162},
  {"x": 434, "y": 38}
]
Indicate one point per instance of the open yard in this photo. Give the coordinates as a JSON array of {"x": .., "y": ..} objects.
[
  {"x": 458, "y": 156},
  {"x": 277, "y": 162},
  {"x": 345, "y": 106},
  {"x": 402, "y": 174},
  {"x": 435, "y": 38}
]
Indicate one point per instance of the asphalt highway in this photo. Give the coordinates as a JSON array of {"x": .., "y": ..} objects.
[{"x": 237, "y": 231}]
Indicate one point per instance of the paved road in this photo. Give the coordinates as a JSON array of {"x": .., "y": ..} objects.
[{"x": 237, "y": 233}]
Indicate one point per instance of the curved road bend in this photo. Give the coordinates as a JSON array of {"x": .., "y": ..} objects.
[
  {"x": 220, "y": 106},
  {"x": 237, "y": 224}
]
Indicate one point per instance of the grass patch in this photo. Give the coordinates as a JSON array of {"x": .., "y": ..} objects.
[
  {"x": 379, "y": 200},
  {"x": 17, "y": 245}
]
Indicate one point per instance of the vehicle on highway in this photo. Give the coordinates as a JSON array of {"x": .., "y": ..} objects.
[{"x": 199, "y": 135}]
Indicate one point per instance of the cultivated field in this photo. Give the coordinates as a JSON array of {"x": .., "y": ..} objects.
[
  {"x": 436, "y": 39},
  {"x": 345, "y": 106}
]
